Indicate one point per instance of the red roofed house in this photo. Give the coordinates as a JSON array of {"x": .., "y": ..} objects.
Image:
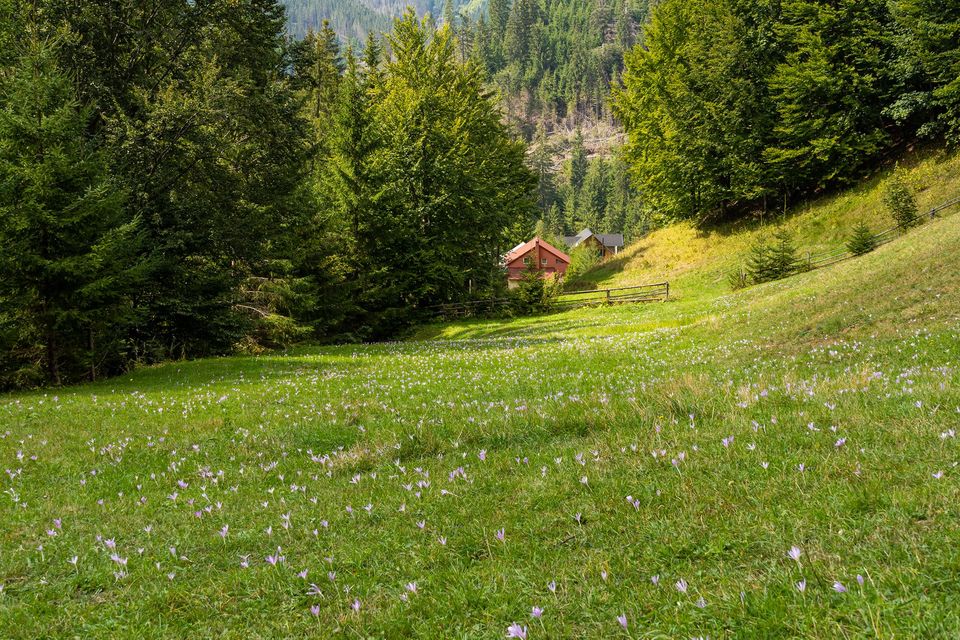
[{"x": 547, "y": 258}]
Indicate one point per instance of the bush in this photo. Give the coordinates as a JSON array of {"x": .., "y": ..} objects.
[
  {"x": 582, "y": 259},
  {"x": 738, "y": 279},
  {"x": 862, "y": 240},
  {"x": 772, "y": 259},
  {"x": 900, "y": 201},
  {"x": 534, "y": 294}
]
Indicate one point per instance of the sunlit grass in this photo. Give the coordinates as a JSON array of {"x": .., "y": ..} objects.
[{"x": 623, "y": 452}]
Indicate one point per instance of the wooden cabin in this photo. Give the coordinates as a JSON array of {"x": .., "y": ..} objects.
[
  {"x": 545, "y": 257},
  {"x": 606, "y": 244}
]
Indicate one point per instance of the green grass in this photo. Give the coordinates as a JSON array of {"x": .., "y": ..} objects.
[{"x": 573, "y": 412}]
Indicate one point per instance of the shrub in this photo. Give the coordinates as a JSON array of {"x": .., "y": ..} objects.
[
  {"x": 582, "y": 259},
  {"x": 862, "y": 240},
  {"x": 530, "y": 296},
  {"x": 900, "y": 201},
  {"x": 738, "y": 279}
]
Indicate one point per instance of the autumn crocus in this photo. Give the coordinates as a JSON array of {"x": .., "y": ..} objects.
[
  {"x": 681, "y": 585},
  {"x": 501, "y": 534},
  {"x": 622, "y": 619},
  {"x": 517, "y": 631},
  {"x": 536, "y": 612},
  {"x": 794, "y": 553}
]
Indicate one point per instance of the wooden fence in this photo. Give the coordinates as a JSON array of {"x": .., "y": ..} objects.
[{"x": 642, "y": 293}]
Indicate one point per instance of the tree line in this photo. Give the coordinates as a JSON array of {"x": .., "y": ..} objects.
[
  {"x": 734, "y": 105},
  {"x": 181, "y": 179}
]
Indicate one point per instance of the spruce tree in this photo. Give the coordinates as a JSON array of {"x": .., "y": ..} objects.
[
  {"x": 861, "y": 240},
  {"x": 66, "y": 252}
]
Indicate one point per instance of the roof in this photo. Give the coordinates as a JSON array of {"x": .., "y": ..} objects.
[
  {"x": 606, "y": 239},
  {"x": 523, "y": 248}
]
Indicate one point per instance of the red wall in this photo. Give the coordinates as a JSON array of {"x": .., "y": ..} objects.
[{"x": 554, "y": 264}]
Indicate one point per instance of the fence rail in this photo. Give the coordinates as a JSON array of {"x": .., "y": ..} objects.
[{"x": 619, "y": 295}]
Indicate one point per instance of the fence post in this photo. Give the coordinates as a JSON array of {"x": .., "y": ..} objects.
[
  {"x": 608, "y": 296},
  {"x": 667, "y": 296}
]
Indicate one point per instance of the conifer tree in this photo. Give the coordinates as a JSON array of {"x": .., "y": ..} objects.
[
  {"x": 66, "y": 253},
  {"x": 861, "y": 240}
]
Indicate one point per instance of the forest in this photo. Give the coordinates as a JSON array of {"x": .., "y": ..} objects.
[{"x": 186, "y": 179}]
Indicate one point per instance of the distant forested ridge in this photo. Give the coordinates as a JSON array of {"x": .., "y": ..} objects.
[
  {"x": 356, "y": 19},
  {"x": 552, "y": 60}
]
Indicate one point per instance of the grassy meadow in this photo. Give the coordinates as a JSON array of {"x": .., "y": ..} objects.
[{"x": 776, "y": 462}]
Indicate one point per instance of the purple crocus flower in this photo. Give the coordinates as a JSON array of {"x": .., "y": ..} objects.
[
  {"x": 622, "y": 619},
  {"x": 516, "y": 631},
  {"x": 536, "y": 612},
  {"x": 501, "y": 534}
]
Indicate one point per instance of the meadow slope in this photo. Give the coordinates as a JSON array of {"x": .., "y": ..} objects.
[
  {"x": 777, "y": 462},
  {"x": 697, "y": 260}
]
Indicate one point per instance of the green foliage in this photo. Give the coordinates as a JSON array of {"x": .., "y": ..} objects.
[
  {"x": 534, "y": 293},
  {"x": 900, "y": 202},
  {"x": 66, "y": 266},
  {"x": 426, "y": 183},
  {"x": 861, "y": 240},
  {"x": 732, "y": 105},
  {"x": 772, "y": 258},
  {"x": 582, "y": 259},
  {"x": 153, "y": 160},
  {"x": 931, "y": 36}
]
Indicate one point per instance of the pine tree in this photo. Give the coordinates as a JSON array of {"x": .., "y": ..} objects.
[
  {"x": 772, "y": 258},
  {"x": 861, "y": 240},
  {"x": 784, "y": 255},
  {"x": 541, "y": 162}
]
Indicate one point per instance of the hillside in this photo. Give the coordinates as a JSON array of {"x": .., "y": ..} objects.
[
  {"x": 775, "y": 462},
  {"x": 698, "y": 260}
]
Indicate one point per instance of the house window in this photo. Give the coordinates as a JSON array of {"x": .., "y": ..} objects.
[
  {"x": 526, "y": 260},
  {"x": 543, "y": 261},
  {"x": 558, "y": 261}
]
